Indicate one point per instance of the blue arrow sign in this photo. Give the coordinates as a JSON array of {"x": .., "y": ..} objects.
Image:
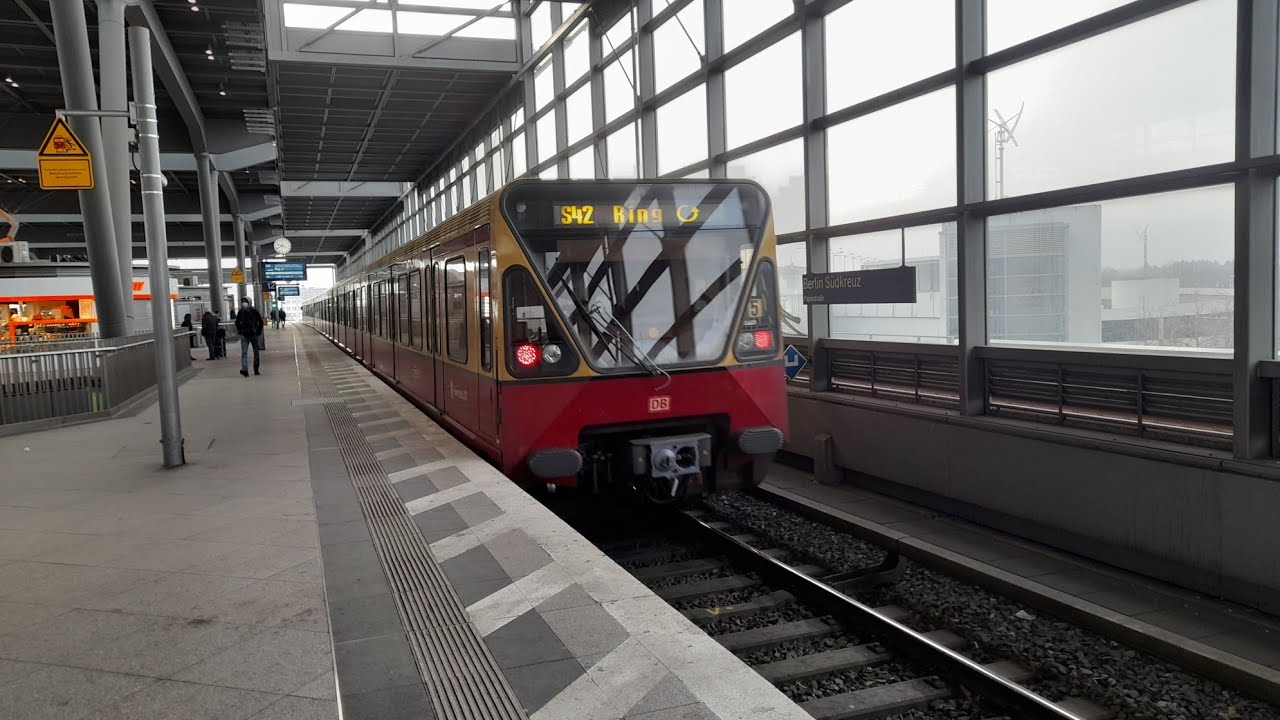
[{"x": 793, "y": 362}]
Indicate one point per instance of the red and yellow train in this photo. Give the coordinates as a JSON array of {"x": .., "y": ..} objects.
[{"x": 587, "y": 334}]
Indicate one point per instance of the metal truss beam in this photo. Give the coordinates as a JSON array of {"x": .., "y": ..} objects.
[{"x": 339, "y": 188}]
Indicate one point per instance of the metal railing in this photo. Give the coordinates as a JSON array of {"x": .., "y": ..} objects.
[
  {"x": 1174, "y": 398},
  {"x": 79, "y": 381},
  {"x": 66, "y": 341},
  {"x": 1181, "y": 399},
  {"x": 926, "y": 374}
]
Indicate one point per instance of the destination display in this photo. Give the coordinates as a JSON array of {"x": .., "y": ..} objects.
[
  {"x": 620, "y": 215},
  {"x": 285, "y": 291},
  {"x": 284, "y": 271},
  {"x": 890, "y": 285}
]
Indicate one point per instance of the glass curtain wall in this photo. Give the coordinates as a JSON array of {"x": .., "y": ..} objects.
[{"x": 1098, "y": 166}]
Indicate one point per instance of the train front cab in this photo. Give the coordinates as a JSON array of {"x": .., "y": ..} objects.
[{"x": 642, "y": 349}]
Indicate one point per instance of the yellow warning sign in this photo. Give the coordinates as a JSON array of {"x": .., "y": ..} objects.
[
  {"x": 237, "y": 275},
  {"x": 64, "y": 162}
]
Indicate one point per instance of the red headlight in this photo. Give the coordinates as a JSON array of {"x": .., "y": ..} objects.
[
  {"x": 763, "y": 339},
  {"x": 527, "y": 354}
]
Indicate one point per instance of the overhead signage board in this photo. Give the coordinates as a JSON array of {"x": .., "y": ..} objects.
[
  {"x": 63, "y": 160},
  {"x": 890, "y": 285},
  {"x": 284, "y": 271},
  {"x": 285, "y": 291}
]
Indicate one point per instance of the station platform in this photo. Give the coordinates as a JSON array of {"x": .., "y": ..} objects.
[
  {"x": 326, "y": 547},
  {"x": 1151, "y": 613}
]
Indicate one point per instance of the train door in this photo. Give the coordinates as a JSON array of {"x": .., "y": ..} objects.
[
  {"x": 393, "y": 325},
  {"x": 487, "y": 385},
  {"x": 437, "y": 332},
  {"x": 358, "y": 322},
  {"x": 461, "y": 383},
  {"x": 425, "y": 311}
]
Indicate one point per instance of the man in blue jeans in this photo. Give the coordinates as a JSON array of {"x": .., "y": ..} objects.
[{"x": 249, "y": 325}]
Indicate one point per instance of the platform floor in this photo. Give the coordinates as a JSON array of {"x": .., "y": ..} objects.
[
  {"x": 326, "y": 544},
  {"x": 130, "y": 591},
  {"x": 1229, "y": 628}
]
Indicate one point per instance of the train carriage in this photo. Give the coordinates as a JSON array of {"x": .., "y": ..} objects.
[{"x": 587, "y": 334}]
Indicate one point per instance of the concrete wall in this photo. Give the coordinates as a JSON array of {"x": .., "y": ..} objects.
[{"x": 1203, "y": 527}]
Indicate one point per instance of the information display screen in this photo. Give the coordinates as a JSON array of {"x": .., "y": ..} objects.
[
  {"x": 284, "y": 271},
  {"x": 285, "y": 291},
  {"x": 664, "y": 206}
]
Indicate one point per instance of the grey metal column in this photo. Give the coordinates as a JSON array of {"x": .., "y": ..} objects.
[
  {"x": 258, "y": 284},
  {"x": 211, "y": 219},
  {"x": 237, "y": 227},
  {"x": 76, "y": 68},
  {"x": 157, "y": 248},
  {"x": 1255, "y": 257},
  {"x": 813, "y": 48},
  {"x": 717, "y": 139},
  {"x": 647, "y": 133},
  {"x": 112, "y": 68},
  {"x": 971, "y": 182}
]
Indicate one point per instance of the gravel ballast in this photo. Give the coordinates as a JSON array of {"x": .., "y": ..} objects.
[{"x": 1068, "y": 661}]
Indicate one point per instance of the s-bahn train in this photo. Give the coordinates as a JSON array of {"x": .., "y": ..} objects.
[{"x": 587, "y": 334}]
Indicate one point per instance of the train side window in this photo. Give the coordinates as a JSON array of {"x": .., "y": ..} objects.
[
  {"x": 376, "y": 327},
  {"x": 486, "y": 311},
  {"x": 415, "y": 309},
  {"x": 455, "y": 309},
  {"x": 384, "y": 305},
  {"x": 402, "y": 310},
  {"x": 433, "y": 307}
]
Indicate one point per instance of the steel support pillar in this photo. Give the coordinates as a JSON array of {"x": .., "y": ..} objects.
[
  {"x": 817, "y": 257},
  {"x": 157, "y": 250},
  {"x": 1258, "y": 22},
  {"x": 717, "y": 140},
  {"x": 207, "y": 177},
  {"x": 237, "y": 226},
  {"x": 971, "y": 182},
  {"x": 647, "y": 134},
  {"x": 76, "y": 68},
  {"x": 112, "y": 66}
]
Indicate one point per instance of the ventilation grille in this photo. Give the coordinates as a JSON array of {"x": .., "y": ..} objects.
[
  {"x": 260, "y": 121},
  {"x": 247, "y": 49},
  {"x": 926, "y": 379},
  {"x": 1182, "y": 407}
]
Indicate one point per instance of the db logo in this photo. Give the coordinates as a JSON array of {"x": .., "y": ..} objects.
[{"x": 661, "y": 403}]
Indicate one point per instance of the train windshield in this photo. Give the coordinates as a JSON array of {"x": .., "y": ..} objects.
[{"x": 647, "y": 274}]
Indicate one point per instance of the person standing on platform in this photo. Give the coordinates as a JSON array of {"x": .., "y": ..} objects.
[
  {"x": 187, "y": 325},
  {"x": 280, "y": 318},
  {"x": 209, "y": 329},
  {"x": 249, "y": 325},
  {"x": 275, "y": 318}
]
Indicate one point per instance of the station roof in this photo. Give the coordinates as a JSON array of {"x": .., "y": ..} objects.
[{"x": 317, "y": 115}]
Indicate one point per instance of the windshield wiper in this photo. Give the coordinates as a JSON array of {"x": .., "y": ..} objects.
[{"x": 617, "y": 333}]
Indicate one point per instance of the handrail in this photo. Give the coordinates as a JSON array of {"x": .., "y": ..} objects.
[
  {"x": 105, "y": 350},
  {"x": 1154, "y": 362},
  {"x": 881, "y": 346}
]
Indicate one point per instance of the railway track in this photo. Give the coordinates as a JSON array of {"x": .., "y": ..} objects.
[{"x": 799, "y": 627}]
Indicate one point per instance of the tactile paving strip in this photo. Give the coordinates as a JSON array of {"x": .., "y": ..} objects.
[{"x": 462, "y": 678}]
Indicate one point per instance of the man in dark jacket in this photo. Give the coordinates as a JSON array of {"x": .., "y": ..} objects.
[
  {"x": 249, "y": 325},
  {"x": 209, "y": 329}
]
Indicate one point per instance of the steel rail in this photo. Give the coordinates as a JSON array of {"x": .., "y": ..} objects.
[{"x": 997, "y": 689}]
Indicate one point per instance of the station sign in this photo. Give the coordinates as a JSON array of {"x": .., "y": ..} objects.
[
  {"x": 890, "y": 285},
  {"x": 284, "y": 291},
  {"x": 284, "y": 271},
  {"x": 63, "y": 160}
]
